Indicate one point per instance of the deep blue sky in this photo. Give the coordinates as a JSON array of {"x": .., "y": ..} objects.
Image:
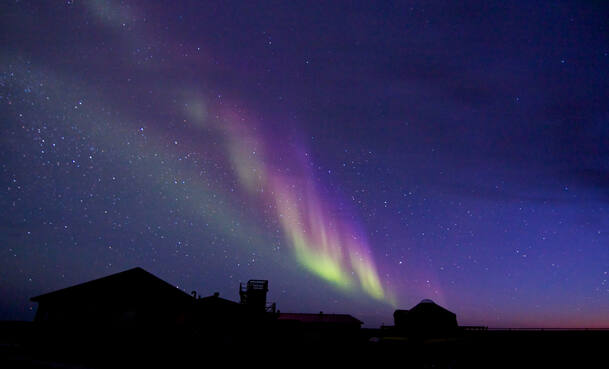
[{"x": 361, "y": 157}]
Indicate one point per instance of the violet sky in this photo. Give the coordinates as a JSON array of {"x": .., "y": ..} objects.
[{"x": 359, "y": 155}]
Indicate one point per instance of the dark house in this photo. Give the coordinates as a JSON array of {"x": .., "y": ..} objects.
[
  {"x": 425, "y": 319},
  {"x": 335, "y": 329},
  {"x": 216, "y": 319},
  {"x": 133, "y": 300},
  {"x": 321, "y": 320},
  {"x": 217, "y": 307},
  {"x": 115, "y": 309},
  {"x": 252, "y": 305}
]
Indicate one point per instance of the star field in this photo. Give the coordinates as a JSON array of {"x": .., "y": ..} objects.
[{"x": 361, "y": 157}]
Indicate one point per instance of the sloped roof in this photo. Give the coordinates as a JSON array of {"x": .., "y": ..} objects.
[
  {"x": 428, "y": 306},
  {"x": 136, "y": 279},
  {"x": 320, "y": 318},
  {"x": 217, "y": 300}
]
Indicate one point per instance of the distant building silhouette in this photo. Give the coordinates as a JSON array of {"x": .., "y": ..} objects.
[
  {"x": 129, "y": 301},
  {"x": 427, "y": 319},
  {"x": 134, "y": 303},
  {"x": 217, "y": 310},
  {"x": 342, "y": 321},
  {"x": 328, "y": 328},
  {"x": 217, "y": 319},
  {"x": 215, "y": 305},
  {"x": 253, "y": 296}
]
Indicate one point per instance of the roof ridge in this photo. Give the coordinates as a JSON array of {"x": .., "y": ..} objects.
[{"x": 135, "y": 270}]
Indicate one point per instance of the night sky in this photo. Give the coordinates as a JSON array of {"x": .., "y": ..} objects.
[{"x": 359, "y": 156}]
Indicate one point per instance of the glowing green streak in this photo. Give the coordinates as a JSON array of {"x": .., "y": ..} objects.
[
  {"x": 324, "y": 265},
  {"x": 320, "y": 257},
  {"x": 368, "y": 277}
]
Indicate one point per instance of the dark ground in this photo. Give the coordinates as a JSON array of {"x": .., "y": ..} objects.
[{"x": 23, "y": 345}]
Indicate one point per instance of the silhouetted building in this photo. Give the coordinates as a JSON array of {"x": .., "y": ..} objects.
[
  {"x": 136, "y": 307},
  {"x": 310, "y": 328},
  {"x": 343, "y": 321},
  {"x": 253, "y": 296},
  {"x": 426, "y": 318},
  {"x": 215, "y": 319},
  {"x": 217, "y": 307},
  {"x": 133, "y": 299}
]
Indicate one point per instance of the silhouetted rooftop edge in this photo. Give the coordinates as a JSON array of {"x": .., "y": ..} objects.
[
  {"x": 320, "y": 318},
  {"x": 136, "y": 272},
  {"x": 427, "y": 304}
]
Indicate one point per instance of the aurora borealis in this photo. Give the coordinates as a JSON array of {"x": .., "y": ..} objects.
[{"x": 360, "y": 157}]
